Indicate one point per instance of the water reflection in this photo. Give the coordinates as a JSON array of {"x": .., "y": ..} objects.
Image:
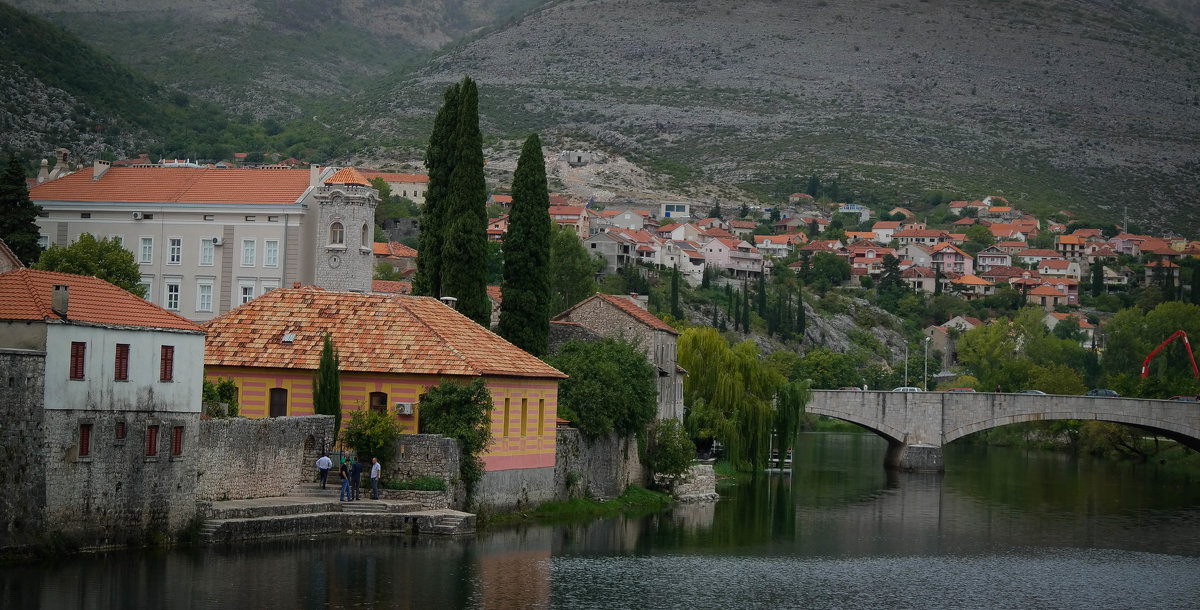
[{"x": 1002, "y": 528}]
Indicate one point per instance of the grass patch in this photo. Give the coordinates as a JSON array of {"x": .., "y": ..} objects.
[
  {"x": 418, "y": 484},
  {"x": 635, "y": 501}
]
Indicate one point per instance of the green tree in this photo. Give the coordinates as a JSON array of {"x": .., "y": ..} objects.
[
  {"x": 1097, "y": 278},
  {"x": 670, "y": 452},
  {"x": 106, "y": 259},
  {"x": 222, "y": 392},
  {"x": 439, "y": 162},
  {"x": 327, "y": 386},
  {"x": 716, "y": 211},
  {"x": 830, "y": 268},
  {"x": 18, "y": 214},
  {"x": 525, "y": 317},
  {"x": 372, "y": 434},
  {"x": 611, "y": 387},
  {"x": 801, "y": 314},
  {"x": 676, "y": 310},
  {"x": 462, "y": 412},
  {"x": 790, "y": 401},
  {"x": 572, "y": 270},
  {"x": 464, "y": 249},
  {"x": 981, "y": 235}
]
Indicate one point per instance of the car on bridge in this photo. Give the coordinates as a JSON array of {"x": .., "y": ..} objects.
[
  {"x": 1035, "y": 392},
  {"x": 972, "y": 390},
  {"x": 1102, "y": 393},
  {"x": 1186, "y": 398},
  {"x": 906, "y": 388}
]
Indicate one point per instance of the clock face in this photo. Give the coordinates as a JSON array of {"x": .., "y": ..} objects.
[{"x": 334, "y": 261}]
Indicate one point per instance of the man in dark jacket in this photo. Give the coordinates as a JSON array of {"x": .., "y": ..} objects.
[
  {"x": 344, "y": 475},
  {"x": 355, "y": 478}
]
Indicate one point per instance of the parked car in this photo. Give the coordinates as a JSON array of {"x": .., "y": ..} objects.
[
  {"x": 1102, "y": 393},
  {"x": 1037, "y": 392},
  {"x": 850, "y": 388},
  {"x": 961, "y": 390},
  {"x": 906, "y": 388},
  {"x": 1186, "y": 398}
]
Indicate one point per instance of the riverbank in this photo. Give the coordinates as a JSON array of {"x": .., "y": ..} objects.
[{"x": 636, "y": 501}]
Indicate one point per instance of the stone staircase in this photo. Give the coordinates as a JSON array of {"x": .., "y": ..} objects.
[{"x": 366, "y": 507}]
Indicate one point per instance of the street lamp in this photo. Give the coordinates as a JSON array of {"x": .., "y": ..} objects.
[
  {"x": 906, "y": 363},
  {"x": 927, "y": 363}
]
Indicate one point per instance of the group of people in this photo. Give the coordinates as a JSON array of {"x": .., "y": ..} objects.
[{"x": 351, "y": 476}]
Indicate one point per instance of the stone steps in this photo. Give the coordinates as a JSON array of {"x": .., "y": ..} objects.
[{"x": 361, "y": 506}]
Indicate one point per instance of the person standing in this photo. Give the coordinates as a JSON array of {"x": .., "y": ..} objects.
[
  {"x": 355, "y": 477},
  {"x": 323, "y": 466},
  {"x": 344, "y": 472},
  {"x": 375, "y": 468}
]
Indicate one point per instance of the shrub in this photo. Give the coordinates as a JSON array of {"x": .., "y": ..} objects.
[
  {"x": 372, "y": 434},
  {"x": 671, "y": 452}
]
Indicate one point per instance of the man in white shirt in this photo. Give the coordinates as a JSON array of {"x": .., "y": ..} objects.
[
  {"x": 375, "y": 469},
  {"x": 323, "y": 465}
]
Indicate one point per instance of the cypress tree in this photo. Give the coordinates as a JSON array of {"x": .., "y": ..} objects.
[
  {"x": 745, "y": 308},
  {"x": 327, "y": 386},
  {"x": 716, "y": 211},
  {"x": 735, "y": 305},
  {"x": 760, "y": 295},
  {"x": 525, "y": 318},
  {"x": 1097, "y": 278},
  {"x": 18, "y": 214},
  {"x": 676, "y": 311},
  {"x": 464, "y": 244},
  {"x": 439, "y": 162},
  {"x": 801, "y": 320}
]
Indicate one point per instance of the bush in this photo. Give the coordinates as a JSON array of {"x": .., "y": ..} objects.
[
  {"x": 372, "y": 434},
  {"x": 671, "y": 452},
  {"x": 223, "y": 392},
  {"x": 462, "y": 412}
]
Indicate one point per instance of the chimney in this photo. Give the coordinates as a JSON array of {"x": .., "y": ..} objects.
[
  {"x": 296, "y": 284},
  {"x": 59, "y": 299},
  {"x": 451, "y": 302},
  {"x": 314, "y": 175},
  {"x": 99, "y": 168},
  {"x": 639, "y": 300}
]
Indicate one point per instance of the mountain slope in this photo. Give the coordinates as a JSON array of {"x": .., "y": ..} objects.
[{"x": 1090, "y": 105}]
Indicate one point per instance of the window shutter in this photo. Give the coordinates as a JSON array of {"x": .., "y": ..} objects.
[
  {"x": 177, "y": 440},
  {"x": 78, "y": 350},
  {"x": 166, "y": 370},
  {"x": 151, "y": 441},
  {"x": 85, "y": 439},
  {"x": 122, "y": 364}
]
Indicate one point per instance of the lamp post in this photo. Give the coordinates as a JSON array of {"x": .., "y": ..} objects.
[
  {"x": 927, "y": 363},
  {"x": 906, "y": 363}
]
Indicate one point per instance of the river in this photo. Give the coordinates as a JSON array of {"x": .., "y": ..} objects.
[{"x": 1003, "y": 528}]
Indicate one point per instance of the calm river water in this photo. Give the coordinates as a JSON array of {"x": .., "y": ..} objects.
[{"x": 1002, "y": 528}]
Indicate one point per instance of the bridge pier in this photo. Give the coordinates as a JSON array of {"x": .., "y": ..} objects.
[{"x": 917, "y": 457}]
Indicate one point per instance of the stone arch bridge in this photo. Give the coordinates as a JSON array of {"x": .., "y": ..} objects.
[{"x": 917, "y": 424}]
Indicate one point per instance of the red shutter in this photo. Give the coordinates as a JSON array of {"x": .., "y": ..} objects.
[
  {"x": 177, "y": 440},
  {"x": 151, "y": 441},
  {"x": 85, "y": 439},
  {"x": 166, "y": 370},
  {"x": 120, "y": 430},
  {"x": 122, "y": 364},
  {"x": 78, "y": 350}
]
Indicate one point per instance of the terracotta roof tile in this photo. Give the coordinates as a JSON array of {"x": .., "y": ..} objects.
[
  {"x": 178, "y": 185},
  {"x": 348, "y": 175},
  {"x": 393, "y": 177},
  {"x": 628, "y": 306},
  {"x": 25, "y": 294},
  {"x": 372, "y": 332}
]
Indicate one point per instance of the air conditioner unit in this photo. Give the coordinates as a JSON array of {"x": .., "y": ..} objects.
[
  {"x": 137, "y": 215},
  {"x": 217, "y": 241},
  {"x": 404, "y": 408}
]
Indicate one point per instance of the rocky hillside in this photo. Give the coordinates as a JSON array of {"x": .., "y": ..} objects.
[{"x": 1065, "y": 103}]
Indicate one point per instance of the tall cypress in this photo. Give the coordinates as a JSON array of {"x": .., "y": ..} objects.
[
  {"x": 525, "y": 318},
  {"x": 745, "y": 307},
  {"x": 327, "y": 386},
  {"x": 464, "y": 243},
  {"x": 1097, "y": 278},
  {"x": 676, "y": 311},
  {"x": 439, "y": 162},
  {"x": 801, "y": 320},
  {"x": 18, "y": 214}
]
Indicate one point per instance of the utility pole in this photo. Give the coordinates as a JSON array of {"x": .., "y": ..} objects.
[
  {"x": 927, "y": 363},
  {"x": 906, "y": 363}
]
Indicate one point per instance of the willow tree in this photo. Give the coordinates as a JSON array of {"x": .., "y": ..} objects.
[
  {"x": 439, "y": 162},
  {"x": 464, "y": 237},
  {"x": 790, "y": 401},
  {"x": 525, "y": 318}
]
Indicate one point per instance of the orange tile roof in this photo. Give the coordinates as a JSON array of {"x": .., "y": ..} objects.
[
  {"x": 25, "y": 294},
  {"x": 1071, "y": 239},
  {"x": 392, "y": 177},
  {"x": 390, "y": 286},
  {"x": 495, "y": 293},
  {"x": 973, "y": 280},
  {"x": 348, "y": 175},
  {"x": 886, "y": 224},
  {"x": 375, "y": 333},
  {"x": 178, "y": 185},
  {"x": 626, "y": 305},
  {"x": 394, "y": 248},
  {"x": 1046, "y": 290},
  {"x": 742, "y": 224}
]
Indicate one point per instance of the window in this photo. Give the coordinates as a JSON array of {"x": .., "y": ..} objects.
[
  {"x": 207, "y": 252},
  {"x": 120, "y": 239},
  {"x": 271, "y": 253},
  {"x": 541, "y": 416},
  {"x": 524, "y": 414},
  {"x": 246, "y": 292},
  {"x": 85, "y": 214},
  {"x": 146, "y": 255},
  {"x": 204, "y": 296},
  {"x": 250, "y": 219},
  {"x": 172, "y": 300},
  {"x": 272, "y": 219},
  {"x": 210, "y": 217},
  {"x": 166, "y": 365},
  {"x": 362, "y": 241},
  {"x": 505, "y": 428},
  {"x": 249, "y": 249},
  {"x": 176, "y": 441},
  {"x": 121, "y": 368},
  {"x": 278, "y": 404},
  {"x": 120, "y": 430},
  {"x": 337, "y": 233},
  {"x": 85, "y": 439},
  {"x": 268, "y": 286},
  {"x": 151, "y": 441},
  {"x": 379, "y": 402},
  {"x": 78, "y": 350},
  {"x": 175, "y": 251}
]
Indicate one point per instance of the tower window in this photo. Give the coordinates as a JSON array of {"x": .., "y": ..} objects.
[
  {"x": 363, "y": 241},
  {"x": 337, "y": 234}
]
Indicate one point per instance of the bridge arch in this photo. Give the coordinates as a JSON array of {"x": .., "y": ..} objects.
[{"x": 1183, "y": 434}]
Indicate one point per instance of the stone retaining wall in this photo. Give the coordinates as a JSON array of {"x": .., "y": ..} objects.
[
  {"x": 24, "y": 472},
  {"x": 240, "y": 458},
  {"x": 698, "y": 485},
  {"x": 599, "y": 468},
  {"x": 428, "y": 500}
]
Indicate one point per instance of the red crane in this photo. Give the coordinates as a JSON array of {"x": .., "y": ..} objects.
[{"x": 1176, "y": 335}]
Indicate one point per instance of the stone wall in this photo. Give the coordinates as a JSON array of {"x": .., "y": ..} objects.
[
  {"x": 602, "y": 468},
  {"x": 426, "y": 455},
  {"x": 241, "y": 458},
  {"x": 698, "y": 485},
  {"x": 23, "y": 475},
  {"x": 516, "y": 489},
  {"x": 428, "y": 500}
]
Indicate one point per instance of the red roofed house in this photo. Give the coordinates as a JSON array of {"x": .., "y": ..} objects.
[
  {"x": 409, "y": 186},
  {"x": 992, "y": 256},
  {"x": 973, "y": 286},
  {"x": 734, "y": 255},
  {"x": 573, "y": 216},
  {"x": 626, "y": 316},
  {"x": 208, "y": 240},
  {"x": 1070, "y": 246},
  {"x": 1034, "y": 256},
  {"x": 391, "y": 349},
  {"x": 742, "y": 228},
  {"x": 1046, "y": 297},
  {"x": 1169, "y": 271},
  {"x": 1056, "y": 268},
  {"x": 102, "y": 409},
  {"x": 926, "y": 237},
  {"x": 399, "y": 256},
  {"x": 949, "y": 258}
]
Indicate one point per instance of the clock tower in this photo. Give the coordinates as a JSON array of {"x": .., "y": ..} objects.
[{"x": 345, "y": 232}]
